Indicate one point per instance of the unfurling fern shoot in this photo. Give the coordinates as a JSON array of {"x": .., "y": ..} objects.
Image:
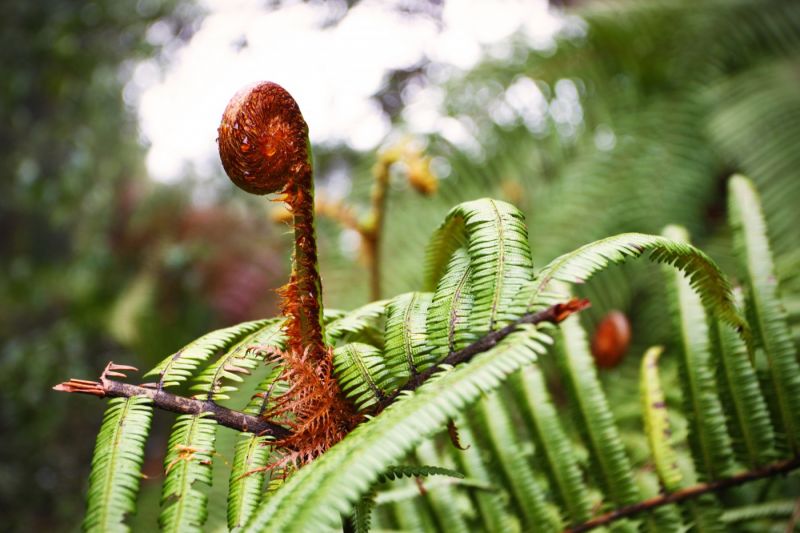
[{"x": 264, "y": 148}]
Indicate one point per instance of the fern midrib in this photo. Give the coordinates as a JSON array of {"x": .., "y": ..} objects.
[
  {"x": 112, "y": 471},
  {"x": 454, "y": 307},
  {"x": 362, "y": 369},
  {"x": 408, "y": 345},
  {"x": 252, "y": 446},
  {"x": 184, "y": 474},
  {"x": 500, "y": 266},
  {"x": 216, "y": 381}
]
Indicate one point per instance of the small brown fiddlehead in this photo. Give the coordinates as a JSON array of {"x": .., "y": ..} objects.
[
  {"x": 264, "y": 147},
  {"x": 263, "y": 144}
]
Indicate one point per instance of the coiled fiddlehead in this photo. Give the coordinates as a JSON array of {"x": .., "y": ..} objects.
[{"x": 264, "y": 148}]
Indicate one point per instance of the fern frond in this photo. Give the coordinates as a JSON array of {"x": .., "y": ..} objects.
[
  {"x": 247, "y": 478},
  {"x": 496, "y": 238},
  {"x": 406, "y": 348},
  {"x": 316, "y": 495},
  {"x": 238, "y": 360},
  {"x": 401, "y": 471},
  {"x": 656, "y": 421},
  {"x": 447, "y": 504},
  {"x": 755, "y": 258},
  {"x": 184, "y": 507},
  {"x": 554, "y": 451},
  {"x": 492, "y": 505},
  {"x": 448, "y": 324},
  {"x": 116, "y": 464},
  {"x": 751, "y": 428},
  {"x": 266, "y": 392},
  {"x": 362, "y": 374},
  {"x": 708, "y": 434},
  {"x": 608, "y": 458},
  {"x": 580, "y": 265},
  {"x": 179, "y": 366},
  {"x": 515, "y": 472},
  {"x": 355, "y": 322},
  {"x": 759, "y": 511}
]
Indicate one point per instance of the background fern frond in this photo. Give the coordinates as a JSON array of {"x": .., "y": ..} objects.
[
  {"x": 656, "y": 421},
  {"x": 355, "y": 322},
  {"x": 180, "y": 366},
  {"x": 554, "y": 450},
  {"x": 708, "y": 433},
  {"x": 751, "y": 428},
  {"x": 238, "y": 360},
  {"x": 246, "y": 484},
  {"x": 763, "y": 301},
  {"x": 490, "y": 418},
  {"x": 492, "y": 505},
  {"x": 116, "y": 464},
  {"x": 609, "y": 459},
  {"x": 184, "y": 506}
]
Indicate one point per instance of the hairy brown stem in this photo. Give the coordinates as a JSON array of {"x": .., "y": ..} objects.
[
  {"x": 264, "y": 148},
  {"x": 303, "y": 302},
  {"x": 773, "y": 469},
  {"x": 108, "y": 388},
  {"x": 553, "y": 314}
]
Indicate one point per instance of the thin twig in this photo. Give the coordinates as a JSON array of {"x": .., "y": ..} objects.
[
  {"x": 109, "y": 388},
  {"x": 553, "y": 314},
  {"x": 773, "y": 469}
]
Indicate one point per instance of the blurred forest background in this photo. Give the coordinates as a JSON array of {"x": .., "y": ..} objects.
[{"x": 632, "y": 120}]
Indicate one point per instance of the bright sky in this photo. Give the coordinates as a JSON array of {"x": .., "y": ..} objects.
[{"x": 331, "y": 72}]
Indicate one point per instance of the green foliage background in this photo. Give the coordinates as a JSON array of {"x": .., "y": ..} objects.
[{"x": 646, "y": 108}]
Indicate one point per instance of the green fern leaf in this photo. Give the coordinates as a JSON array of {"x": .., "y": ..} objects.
[
  {"x": 493, "y": 422},
  {"x": 270, "y": 388},
  {"x": 754, "y": 438},
  {"x": 188, "y": 461},
  {"x": 361, "y": 373},
  {"x": 247, "y": 483},
  {"x": 116, "y": 464},
  {"x": 355, "y": 322},
  {"x": 448, "y": 324},
  {"x": 580, "y": 265},
  {"x": 610, "y": 462},
  {"x": 238, "y": 360},
  {"x": 554, "y": 450},
  {"x": 492, "y": 505},
  {"x": 314, "y": 497},
  {"x": 446, "y": 503},
  {"x": 401, "y": 471},
  {"x": 179, "y": 366},
  {"x": 496, "y": 239},
  {"x": 753, "y": 250},
  {"x": 759, "y": 511},
  {"x": 708, "y": 435},
  {"x": 406, "y": 348},
  {"x": 656, "y": 421}
]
